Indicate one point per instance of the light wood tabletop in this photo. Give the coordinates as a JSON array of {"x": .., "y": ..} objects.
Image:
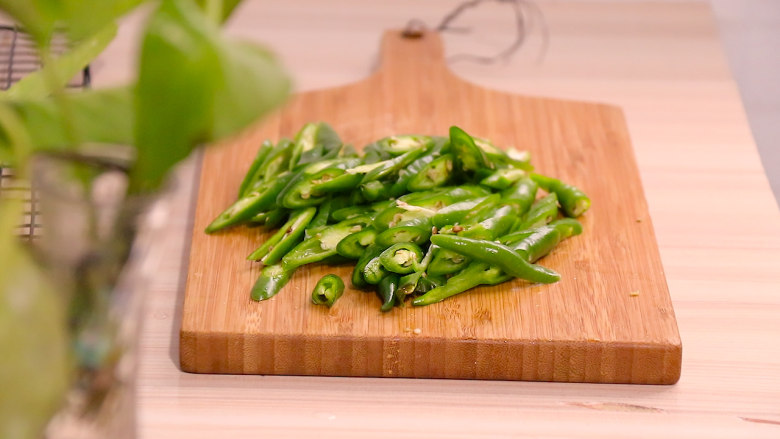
[{"x": 717, "y": 225}]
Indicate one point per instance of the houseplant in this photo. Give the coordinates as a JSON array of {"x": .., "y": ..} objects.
[{"x": 193, "y": 87}]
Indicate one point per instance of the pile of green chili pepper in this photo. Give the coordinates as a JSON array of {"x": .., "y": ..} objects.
[{"x": 423, "y": 217}]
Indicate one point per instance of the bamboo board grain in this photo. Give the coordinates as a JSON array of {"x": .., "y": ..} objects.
[{"x": 609, "y": 319}]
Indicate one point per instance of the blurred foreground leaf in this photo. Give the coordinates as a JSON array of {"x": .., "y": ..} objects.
[
  {"x": 34, "y": 369},
  {"x": 56, "y": 75},
  {"x": 195, "y": 87}
]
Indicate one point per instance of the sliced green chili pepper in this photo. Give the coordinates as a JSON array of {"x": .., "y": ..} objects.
[
  {"x": 252, "y": 175},
  {"x": 447, "y": 262},
  {"x": 573, "y": 201},
  {"x": 400, "y": 234},
  {"x": 542, "y": 240},
  {"x": 312, "y": 189},
  {"x": 323, "y": 244},
  {"x": 499, "y": 221},
  {"x": 284, "y": 239},
  {"x": 277, "y": 161},
  {"x": 275, "y": 217},
  {"x": 468, "y": 157},
  {"x": 388, "y": 292},
  {"x": 376, "y": 190},
  {"x": 372, "y": 252},
  {"x": 397, "y": 145},
  {"x": 512, "y": 157},
  {"x": 539, "y": 243},
  {"x": 498, "y": 255},
  {"x": 390, "y": 167},
  {"x": 271, "y": 281},
  {"x": 311, "y": 136},
  {"x": 427, "y": 283},
  {"x": 344, "y": 213},
  {"x": 328, "y": 289},
  {"x": 260, "y": 198},
  {"x": 542, "y": 212},
  {"x": 522, "y": 193},
  {"x": 269, "y": 218},
  {"x": 435, "y": 174},
  {"x": 323, "y": 213},
  {"x": 456, "y": 212},
  {"x": 502, "y": 178},
  {"x": 409, "y": 282},
  {"x": 568, "y": 227},
  {"x": 401, "y": 258},
  {"x": 354, "y": 245},
  {"x": 477, "y": 273},
  {"x": 374, "y": 271}
]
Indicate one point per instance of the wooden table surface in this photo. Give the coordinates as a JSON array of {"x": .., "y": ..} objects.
[{"x": 717, "y": 225}]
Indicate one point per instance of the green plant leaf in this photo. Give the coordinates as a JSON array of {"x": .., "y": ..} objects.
[
  {"x": 35, "y": 369},
  {"x": 79, "y": 18},
  {"x": 37, "y": 17},
  {"x": 195, "y": 87},
  {"x": 93, "y": 116},
  {"x": 56, "y": 75},
  {"x": 227, "y": 6},
  {"x": 83, "y": 18}
]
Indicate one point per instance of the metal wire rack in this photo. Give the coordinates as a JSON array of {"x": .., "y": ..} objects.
[{"x": 18, "y": 58}]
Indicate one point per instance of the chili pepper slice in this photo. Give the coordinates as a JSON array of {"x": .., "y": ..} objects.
[
  {"x": 252, "y": 175},
  {"x": 269, "y": 218},
  {"x": 568, "y": 227},
  {"x": 498, "y": 222},
  {"x": 427, "y": 283},
  {"x": 512, "y": 157},
  {"x": 374, "y": 271},
  {"x": 375, "y": 190},
  {"x": 409, "y": 282},
  {"x": 400, "y": 234},
  {"x": 277, "y": 161},
  {"x": 503, "y": 178},
  {"x": 542, "y": 212},
  {"x": 477, "y": 273},
  {"x": 345, "y": 213},
  {"x": 328, "y": 289},
  {"x": 392, "y": 166},
  {"x": 573, "y": 201},
  {"x": 259, "y": 199},
  {"x": 311, "y": 190},
  {"x": 388, "y": 292},
  {"x": 435, "y": 174},
  {"x": 468, "y": 157},
  {"x": 498, "y": 255},
  {"x": 522, "y": 193},
  {"x": 354, "y": 245},
  {"x": 323, "y": 213},
  {"x": 323, "y": 244},
  {"x": 456, "y": 212},
  {"x": 271, "y": 281},
  {"x": 397, "y": 145},
  {"x": 401, "y": 258},
  {"x": 447, "y": 262},
  {"x": 284, "y": 239},
  {"x": 373, "y": 251},
  {"x": 308, "y": 138}
]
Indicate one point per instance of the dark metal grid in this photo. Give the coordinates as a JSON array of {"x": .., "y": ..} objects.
[{"x": 18, "y": 58}]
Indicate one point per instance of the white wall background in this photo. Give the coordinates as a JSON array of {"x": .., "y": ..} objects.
[{"x": 750, "y": 32}]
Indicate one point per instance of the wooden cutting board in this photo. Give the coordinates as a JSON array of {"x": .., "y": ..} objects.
[{"x": 609, "y": 319}]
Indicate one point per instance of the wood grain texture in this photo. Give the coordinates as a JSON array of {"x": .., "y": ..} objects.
[{"x": 586, "y": 328}]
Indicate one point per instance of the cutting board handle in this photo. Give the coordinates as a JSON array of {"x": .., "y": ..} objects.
[{"x": 403, "y": 56}]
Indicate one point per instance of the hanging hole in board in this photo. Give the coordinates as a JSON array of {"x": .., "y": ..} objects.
[{"x": 414, "y": 29}]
